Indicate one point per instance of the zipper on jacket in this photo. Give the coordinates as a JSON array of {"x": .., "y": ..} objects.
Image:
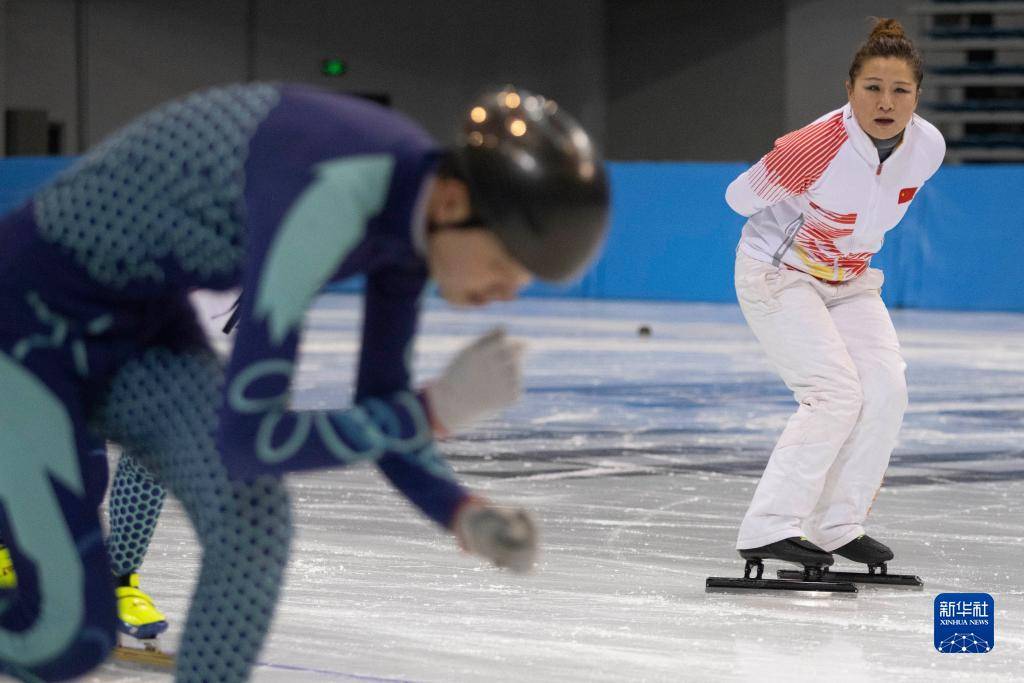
[{"x": 873, "y": 208}]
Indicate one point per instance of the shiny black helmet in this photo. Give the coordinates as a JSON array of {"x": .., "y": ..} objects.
[{"x": 535, "y": 179}]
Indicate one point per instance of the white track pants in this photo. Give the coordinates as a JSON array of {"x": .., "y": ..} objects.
[{"x": 836, "y": 349}]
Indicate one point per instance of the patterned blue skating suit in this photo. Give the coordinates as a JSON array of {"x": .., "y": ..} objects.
[{"x": 280, "y": 189}]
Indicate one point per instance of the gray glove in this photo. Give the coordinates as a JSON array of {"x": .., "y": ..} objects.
[
  {"x": 481, "y": 380},
  {"x": 505, "y": 536}
]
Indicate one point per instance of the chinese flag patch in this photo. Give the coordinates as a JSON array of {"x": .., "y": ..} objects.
[{"x": 906, "y": 194}]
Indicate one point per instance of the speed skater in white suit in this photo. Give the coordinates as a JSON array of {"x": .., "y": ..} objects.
[{"x": 818, "y": 207}]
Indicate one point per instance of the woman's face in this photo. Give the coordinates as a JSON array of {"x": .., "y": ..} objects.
[
  {"x": 472, "y": 267},
  {"x": 470, "y": 264},
  {"x": 884, "y": 96}
]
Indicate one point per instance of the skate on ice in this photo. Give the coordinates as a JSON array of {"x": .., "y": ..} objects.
[
  {"x": 798, "y": 550},
  {"x": 147, "y": 653},
  {"x": 139, "y": 627},
  {"x": 864, "y": 550}
]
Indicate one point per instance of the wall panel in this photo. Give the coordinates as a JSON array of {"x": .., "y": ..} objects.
[
  {"x": 144, "y": 52},
  {"x": 691, "y": 80},
  {"x": 39, "y": 61}
]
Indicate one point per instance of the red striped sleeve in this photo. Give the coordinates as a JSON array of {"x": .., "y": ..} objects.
[{"x": 798, "y": 159}]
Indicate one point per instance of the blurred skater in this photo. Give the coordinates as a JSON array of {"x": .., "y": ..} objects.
[{"x": 280, "y": 189}]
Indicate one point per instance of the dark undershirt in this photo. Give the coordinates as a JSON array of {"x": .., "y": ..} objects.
[{"x": 885, "y": 147}]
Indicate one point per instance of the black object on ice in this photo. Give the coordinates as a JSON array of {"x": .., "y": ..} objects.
[
  {"x": 797, "y": 550},
  {"x": 866, "y": 550}
]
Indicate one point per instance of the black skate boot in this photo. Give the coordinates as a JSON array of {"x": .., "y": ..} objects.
[
  {"x": 797, "y": 550},
  {"x": 866, "y": 550}
]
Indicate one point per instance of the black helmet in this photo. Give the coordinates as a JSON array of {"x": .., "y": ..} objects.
[{"x": 535, "y": 179}]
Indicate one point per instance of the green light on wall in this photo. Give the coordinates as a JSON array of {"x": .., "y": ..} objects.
[{"x": 332, "y": 66}]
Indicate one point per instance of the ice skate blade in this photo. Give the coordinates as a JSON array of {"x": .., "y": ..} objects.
[
  {"x": 148, "y": 656},
  {"x": 908, "y": 580},
  {"x": 726, "y": 583}
]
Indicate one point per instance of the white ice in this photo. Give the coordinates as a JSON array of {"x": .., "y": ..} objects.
[{"x": 639, "y": 456}]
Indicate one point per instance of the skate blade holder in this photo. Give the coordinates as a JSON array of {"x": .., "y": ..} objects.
[
  {"x": 810, "y": 579},
  {"x": 149, "y": 655},
  {"x": 877, "y": 574}
]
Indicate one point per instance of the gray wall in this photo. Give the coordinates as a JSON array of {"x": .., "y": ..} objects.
[
  {"x": 821, "y": 39},
  {"x": 138, "y": 53},
  {"x": 693, "y": 79},
  {"x": 431, "y": 57},
  {"x": 652, "y": 79},
  {"x": 699, "y": 80},
  {"x": 143, "y": 52},
  {"x": 39, "y": 60},
  {"x": 3, "y": 68}
]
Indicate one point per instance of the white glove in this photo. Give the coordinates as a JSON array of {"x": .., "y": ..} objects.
[
  {"x": 505, "y": 536},
  {"x": 481, "y": 380}
]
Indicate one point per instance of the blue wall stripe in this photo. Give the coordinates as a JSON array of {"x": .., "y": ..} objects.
[{"x": 960, "y": 246}]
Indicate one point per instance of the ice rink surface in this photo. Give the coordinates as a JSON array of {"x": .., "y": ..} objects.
[{"x": 639, "y": 456}]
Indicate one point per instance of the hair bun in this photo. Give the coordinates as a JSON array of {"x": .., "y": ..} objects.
[
  {"x": 888, "y": 39},
  {"x": 887, "y": 28}
]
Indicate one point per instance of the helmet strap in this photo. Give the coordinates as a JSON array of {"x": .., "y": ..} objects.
[{"x": 473, "y": 221}]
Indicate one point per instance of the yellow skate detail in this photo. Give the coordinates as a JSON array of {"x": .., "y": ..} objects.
[
  {"x": 139, "y": 616},
  {"x": 8, "y": 579}
]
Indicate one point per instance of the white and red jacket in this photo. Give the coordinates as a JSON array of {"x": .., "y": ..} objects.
[{"x": 821, "y": 202}]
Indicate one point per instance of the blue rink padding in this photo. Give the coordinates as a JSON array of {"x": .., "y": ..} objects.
[
  {"x": 20, "y": 176},
  {"x": 673, "y": 237},
  {"x": 960, "y": 246}
]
